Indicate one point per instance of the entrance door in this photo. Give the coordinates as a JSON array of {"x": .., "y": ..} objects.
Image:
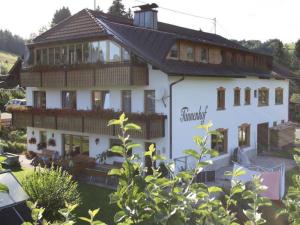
[{"x": 262, "y": 137}]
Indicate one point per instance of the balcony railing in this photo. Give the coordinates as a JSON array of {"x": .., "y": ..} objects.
[
  {"x": 85, "y": 75},
  {"x": 94, "y": 122}
]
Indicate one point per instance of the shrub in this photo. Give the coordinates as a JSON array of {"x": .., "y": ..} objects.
[{"x": 51, "y": 188}]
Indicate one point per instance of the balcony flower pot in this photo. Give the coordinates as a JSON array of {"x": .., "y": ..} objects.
[
  {"x": 32, "y": 140},
  {"x": 52, "y": 142},
  {"x": 41, "y": 145}
]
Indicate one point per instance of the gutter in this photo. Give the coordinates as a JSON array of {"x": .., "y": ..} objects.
[{"x": 171, "y": 115}]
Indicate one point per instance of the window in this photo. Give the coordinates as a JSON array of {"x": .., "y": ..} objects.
[
  {"x": 148, "y": 160},
  {"x": 237, "y": 96},
  {"x": 204, "y": 55},
  {"x": 174, "y": 51},
  {"x": 44, "y": 56},
  {"x": 72, "y": 54},
  {"x": 38, "y": 59},
  {"x": 100, "y": 100},
  {"x": 114, "y": 52},
  {"x": 125, "y": 55},
  {"x": 39, "y": 99},
  {"x": 43, "y": 137},
  {"x": 95, "y": 55},
  {"x": 221, "y": 98},
  {"x": 274, "y": 123},
  {"x": 69, "y": 100},
  {"x": 219, "y": 143},
  {"x": 57, "y": 57},
  {"x": 64, "y": 55},
  {"x": 103, "y": 51},
  {"x": 263, "y": 97},
  {"x": 190, "y": 54},
  {"x": 51, "y": 56},
  {"x": 279, "y": 96},
  {"x": 149, "y": 101},
  {"x": 244, "y": 135},
  {"x": 126, "y": 101},
  {"x": 79, "y": 53},
  {"x": 247, "y": 96},
  {"x": 86, "y": 53},
  {"x": 75, "y": 145}
]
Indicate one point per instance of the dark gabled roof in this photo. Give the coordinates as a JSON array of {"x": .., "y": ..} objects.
[
  {"x": 182, "y": 33},
  {"x": 151, "y": 45},
  {"x": 154, "y": 45},
  {"x": 80, "y": 25}
]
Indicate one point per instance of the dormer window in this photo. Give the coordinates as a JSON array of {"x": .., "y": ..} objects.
[
  {"x": 204, "y": 55},
  {"x": 190, "y": 53},
  {"x": 174, "y": 52}
]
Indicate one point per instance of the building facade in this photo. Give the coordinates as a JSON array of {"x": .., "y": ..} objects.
[{"x": 168, "y": 79}]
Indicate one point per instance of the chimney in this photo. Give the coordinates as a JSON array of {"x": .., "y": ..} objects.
[{"x": 146, "y": 17}]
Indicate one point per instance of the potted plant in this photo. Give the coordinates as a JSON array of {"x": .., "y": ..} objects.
[
  {"x": 41, "y": 145},
  {"x": 32, "y": 140},
  {"x": 51, "y": 142}
]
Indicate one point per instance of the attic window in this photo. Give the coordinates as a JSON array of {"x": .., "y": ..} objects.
[
  {"x": 204, "y": 55},
  {"x": 174, "y": 51},
  {"x": 190, "y": 53}
]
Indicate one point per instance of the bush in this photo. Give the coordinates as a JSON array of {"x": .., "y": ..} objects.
[{"x": 51, "y": 189}]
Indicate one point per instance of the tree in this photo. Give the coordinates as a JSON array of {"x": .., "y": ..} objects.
[
  {"x": 297, "y": 49},
  {"x": 118, "y": 9},
  {"x": 60, "y": 15}
]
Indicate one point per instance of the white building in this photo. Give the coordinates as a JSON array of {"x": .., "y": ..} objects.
[{"x": 166, "y": 78}]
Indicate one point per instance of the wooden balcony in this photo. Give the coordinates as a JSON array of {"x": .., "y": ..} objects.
[
  {"x": 152, "y": 126},
  {"x": 85, "y": 76}
]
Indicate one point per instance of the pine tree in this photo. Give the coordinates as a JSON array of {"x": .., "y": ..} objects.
[
  {"x": 60, "y": 15},
  {"x": 118, "y": 9}
]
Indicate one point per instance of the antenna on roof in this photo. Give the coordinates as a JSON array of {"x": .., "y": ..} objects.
[{"x": 95, "y": 4}]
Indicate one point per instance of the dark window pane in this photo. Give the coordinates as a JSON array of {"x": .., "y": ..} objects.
[
  {"x": 51, "y": 56},
  {"x": 149, "y": 98},
  {"x": 57, "y": 57},
  {"x": 126, "y": 101},
  {"x": 69, "y": 100},
  {"x": 86, "y": 53},
  {"x": 44, "y": 56},
  {"x": 100, "y": 100},
  {"x": 38, "y": 57},
  {"x": 39, "y": 99},
  {"x": 71, "y": 54},
  {"x": 78, "y": 53}
]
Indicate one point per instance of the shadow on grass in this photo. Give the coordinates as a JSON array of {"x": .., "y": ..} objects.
[{"x": 93, "y": 197}]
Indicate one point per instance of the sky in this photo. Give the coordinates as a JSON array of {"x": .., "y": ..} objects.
[{"x": 236, "y": 19}]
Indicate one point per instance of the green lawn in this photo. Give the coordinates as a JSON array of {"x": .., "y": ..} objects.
[{"x": 94, "y": 197}]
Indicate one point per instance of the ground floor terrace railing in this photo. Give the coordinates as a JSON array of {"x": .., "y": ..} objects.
[
  {"x": 85, "y": 75},
  {"x": 84, "y": 121}
]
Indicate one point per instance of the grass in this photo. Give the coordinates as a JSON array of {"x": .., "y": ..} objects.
[
  {"x": 94, "y": 197},
  {"x": 7, "y": 59}
]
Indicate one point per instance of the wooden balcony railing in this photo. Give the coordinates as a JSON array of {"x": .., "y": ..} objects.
[
  {"x": 93, "y": 122},
  {"x": 85, "y": 76}
]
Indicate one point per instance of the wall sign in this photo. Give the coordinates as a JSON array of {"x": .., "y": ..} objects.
[{"x": 186, "y": 115}]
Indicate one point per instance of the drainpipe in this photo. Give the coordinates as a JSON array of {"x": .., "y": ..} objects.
[{"x": 171, "y": 115}]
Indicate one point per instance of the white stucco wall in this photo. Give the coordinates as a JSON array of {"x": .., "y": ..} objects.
[
  {"x": 191, "y": 93},
  {"x": 196, "y": 92}
]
